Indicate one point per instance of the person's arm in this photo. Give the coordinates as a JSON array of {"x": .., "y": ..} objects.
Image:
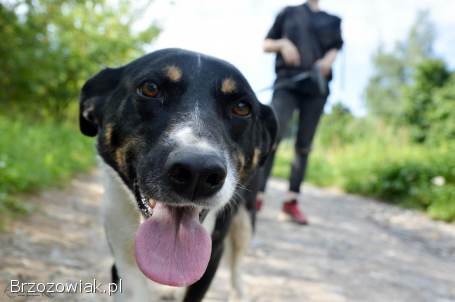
[
  {"x": 284, "y": 46},
  {"x": 271, "y": 45},
  {"x": 336, "y": 43},
  {"x": 325, "y": 63},
  {"x": 276, "y": 41}
]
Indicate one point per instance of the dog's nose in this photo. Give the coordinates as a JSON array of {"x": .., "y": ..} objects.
[{"x": 195, "y": 175}]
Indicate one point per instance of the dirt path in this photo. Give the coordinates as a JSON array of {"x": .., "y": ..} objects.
[{"x": 354, "y": 250}]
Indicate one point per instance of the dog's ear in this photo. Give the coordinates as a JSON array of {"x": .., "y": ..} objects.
[
  {"x": 269, "y": 131},
  {"x": 93, "y": 95}
]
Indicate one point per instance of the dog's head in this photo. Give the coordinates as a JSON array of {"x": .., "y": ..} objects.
[{"x": 183, "y": 130}]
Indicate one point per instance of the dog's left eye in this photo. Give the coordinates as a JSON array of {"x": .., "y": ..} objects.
[
  {"x": 149, "y": 89},
  {"x": 242, "y": 109}
]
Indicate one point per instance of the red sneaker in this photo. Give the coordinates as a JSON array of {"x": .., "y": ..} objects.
[
  {"x": 292, "y": 212},
  {"x": 259, "y": 203}
]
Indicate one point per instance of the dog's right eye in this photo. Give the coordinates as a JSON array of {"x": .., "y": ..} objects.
[
  {"x": 149, "y": 89},
  {"x": 242, "y": 109}
]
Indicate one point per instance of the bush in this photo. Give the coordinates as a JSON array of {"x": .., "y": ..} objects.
[
  {"x": 35, "y": 155},
  {"x": 407, "y": 177},
  {"x": 384, "y": 165},
  {"x": 422, "y": 113},
  {"x": 442, "y": 116},
  {"x": 441, "y": 202}
]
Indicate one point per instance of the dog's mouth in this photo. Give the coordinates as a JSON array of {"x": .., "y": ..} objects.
[
  {"x": 146, "y": 205},
  {"x": 171, "y": 245}
]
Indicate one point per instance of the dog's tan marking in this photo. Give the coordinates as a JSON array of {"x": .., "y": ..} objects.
[
  {"x": 120, "y": 159},
  {"x": 120, "y": 153},
  {"x": 174, "y": 73},
  {"x": 241, "y": 160},
  {"x": 108, "y": 134},
  {"x": 241, "y": 164},
  {"x": 228, "y": 86},
  {"x": 256, "y": 156}
]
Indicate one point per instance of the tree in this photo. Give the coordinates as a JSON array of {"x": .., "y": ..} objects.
[
  {"x": 419, "y": 97},
  {"x": 395, "y": 69},
  {"x": 442, "y": 117},
  {"x": 50, "y": 47},
  {"x": 383, "y": 92}
]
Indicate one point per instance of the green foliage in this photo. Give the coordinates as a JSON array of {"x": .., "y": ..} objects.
[
  {"x": 49, "y": 49},
  {"x": 409, "y": 86},
  {"x": 405, "y": 88},
  {"x": 394, "y": 69},
  {"x": 441, "y": 202},
  {"x": 419, "y": 44},
  {"x": 441, "y": 117},
  {"x": 419, "y": 99},
  {"x": 383, "y": 164},
  {"x": 340, "y": 127},
  {"x": 406, "y": 177},
  {"x": 35, "y": 155},
  {"x": 383, "y": 93},
  {"x": 54, "y": 46},
  {"x": 320, "y": 172}
]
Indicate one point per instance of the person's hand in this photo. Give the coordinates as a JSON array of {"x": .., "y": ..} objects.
[
  {"x": 290, "y": 53},
  {"x": 325, "y": 66}
]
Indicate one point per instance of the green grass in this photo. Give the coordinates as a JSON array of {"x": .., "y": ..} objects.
[
  {"x": 36, "y": 154},
  {"x": 387, "y": 168}
]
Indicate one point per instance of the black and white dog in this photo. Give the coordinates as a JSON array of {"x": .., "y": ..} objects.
[{"x": 180, "y": 136}]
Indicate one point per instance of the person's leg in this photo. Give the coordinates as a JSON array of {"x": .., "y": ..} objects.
[
  {"x": 284, "y": 104},
  {"x": 310, "y": 111}
]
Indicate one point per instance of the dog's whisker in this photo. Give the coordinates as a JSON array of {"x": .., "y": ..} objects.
[{"x": 242, "y": 187}]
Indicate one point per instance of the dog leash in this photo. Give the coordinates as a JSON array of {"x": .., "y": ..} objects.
[
  {"x": 315, "y": 74},
  {"x": 295, "y": 79}
]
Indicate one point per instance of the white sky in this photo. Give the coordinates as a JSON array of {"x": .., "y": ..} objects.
[{"x": 234, "y": 30}]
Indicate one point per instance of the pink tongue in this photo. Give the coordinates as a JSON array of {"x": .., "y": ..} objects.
[{"x": 172, "y": 251}]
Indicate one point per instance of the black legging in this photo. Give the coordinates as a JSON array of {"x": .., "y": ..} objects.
[{"x": 285, "y": 102}]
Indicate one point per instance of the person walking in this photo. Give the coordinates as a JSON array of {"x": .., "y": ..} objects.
[{"x": 306, "y": 41}]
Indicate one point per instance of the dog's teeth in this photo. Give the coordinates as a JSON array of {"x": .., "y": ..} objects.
[{"x": 152, "y": 203}]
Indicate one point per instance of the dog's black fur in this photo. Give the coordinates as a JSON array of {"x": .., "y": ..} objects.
[{"x": 131, "y": 129}]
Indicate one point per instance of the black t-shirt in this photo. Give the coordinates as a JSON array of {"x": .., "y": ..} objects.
[{"x": 313, "y": 33}]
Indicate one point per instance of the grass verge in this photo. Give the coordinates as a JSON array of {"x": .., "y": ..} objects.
[
  {"x": 37, "y": 154},
  {"x": 409, "y": 175}
]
